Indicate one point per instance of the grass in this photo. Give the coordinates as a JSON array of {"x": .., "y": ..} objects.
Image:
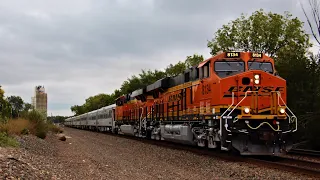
[
  {"x": 17, "y": 127},
  {"x": 7, "y": 141},
  {"x": 31, "y": 123}
]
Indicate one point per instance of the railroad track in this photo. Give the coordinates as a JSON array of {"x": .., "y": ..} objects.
[
  {"x": 305, "y": 152},
  {"x": 291, "y": 164},
  {"x": 282, "y": 163}
]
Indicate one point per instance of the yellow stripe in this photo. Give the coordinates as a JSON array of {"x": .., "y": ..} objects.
[
  {"x": 262, "y": 117},
  {"x": 182, "y": 86}
]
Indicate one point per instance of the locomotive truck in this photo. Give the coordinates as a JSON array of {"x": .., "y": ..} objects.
[{"x": 232, "y": 101}]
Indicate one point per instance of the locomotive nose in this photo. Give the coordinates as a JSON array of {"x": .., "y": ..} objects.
[{"x": 254, "y": 78}]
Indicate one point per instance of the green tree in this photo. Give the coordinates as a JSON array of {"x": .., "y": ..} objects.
[
  {"x": 5, "y": 107},
  {"x": 57, "y": 119},
  {"x": 131, "y": 84},
  {"x": 174, "y": 70},
  {"x": 27, "y": 107},
  {"x": 117, "y": 93},
  {"x": 193, "y": 60},
  {"x": 17, "y": 104},
  {"x": 149, "y": 77},
  {"x": 77, "y": 110},
  {"x": 269, "y": 33}
]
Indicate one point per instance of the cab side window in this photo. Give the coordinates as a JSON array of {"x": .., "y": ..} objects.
[{"x": 204, "y": 71}]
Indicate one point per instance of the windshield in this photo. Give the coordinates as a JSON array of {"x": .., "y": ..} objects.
[
  {"x": 228, "y": 68},
  {"x": 264, "y": 66}
]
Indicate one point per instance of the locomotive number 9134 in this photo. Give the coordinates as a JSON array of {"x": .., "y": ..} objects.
[{"x": 234, "y": 101}]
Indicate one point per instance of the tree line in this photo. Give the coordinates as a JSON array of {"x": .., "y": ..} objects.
[
  {"x": 12, "y": 107},
  {"x": 146, "y": 77},
  {"x": 280, "y": 36}
]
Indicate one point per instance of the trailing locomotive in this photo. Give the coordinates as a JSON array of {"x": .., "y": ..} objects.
[{"x": 232, "y": 101}]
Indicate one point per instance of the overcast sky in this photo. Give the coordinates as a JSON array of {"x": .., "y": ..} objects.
[{"x": 80, "y": 48}]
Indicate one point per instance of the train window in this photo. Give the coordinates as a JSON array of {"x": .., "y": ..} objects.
[
  {"x": 228, "y": 68},
  {"x": 110, "y": 113},
  {"x": 187, "y": 77},
  {"x": 119, "y": 102},
  {"x": 264, "y": 66},
  {"x": 206, "y": 71}
]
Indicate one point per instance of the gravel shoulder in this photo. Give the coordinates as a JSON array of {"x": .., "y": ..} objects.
[{"x": 91, "y": 155}]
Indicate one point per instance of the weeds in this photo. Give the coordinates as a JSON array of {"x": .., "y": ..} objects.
[
  {"x": 55, "y": 129},
  {"x": 16, "y": 126},
  {"x": 7, "y": 141},
  {"x": 32, "y": 122}
]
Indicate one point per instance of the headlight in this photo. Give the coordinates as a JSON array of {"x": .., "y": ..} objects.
[
  {"x": 256, "y": 78},
  {"x": 246, "y": 110},
  {"x": 282, "y": 111}
]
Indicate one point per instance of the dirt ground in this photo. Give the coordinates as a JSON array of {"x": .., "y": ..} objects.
[{"x": 92, "y": 155}]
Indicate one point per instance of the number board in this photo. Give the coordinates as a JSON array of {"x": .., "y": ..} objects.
[
  {"x": 233, "y": 54},
  {"x": 256, "y": 55}
]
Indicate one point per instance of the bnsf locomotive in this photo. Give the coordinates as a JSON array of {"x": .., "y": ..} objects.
[{"x": 232, "y": 101}]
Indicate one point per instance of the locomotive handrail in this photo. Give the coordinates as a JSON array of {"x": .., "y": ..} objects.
[
  {"x": 245, "y": 95},
  {"x": 278, "y": 127},
  {"x": 225, "y": 113},
  {"x": 293, "y": 117},
  {"x": 140, "y": 120}
]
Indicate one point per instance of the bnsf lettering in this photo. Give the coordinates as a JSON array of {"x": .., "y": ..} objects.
[
  {"x": 256, "y": 88},
  {"x": 266, "y": 89}
]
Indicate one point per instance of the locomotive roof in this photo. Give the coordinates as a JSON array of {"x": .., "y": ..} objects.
[{"x": 168, "y": 82}]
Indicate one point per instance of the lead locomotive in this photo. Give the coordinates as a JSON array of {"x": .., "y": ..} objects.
[{"x": 232, "y": 101}]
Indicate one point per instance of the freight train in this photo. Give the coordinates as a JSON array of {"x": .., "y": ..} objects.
[{"x": 231, "y": 101}]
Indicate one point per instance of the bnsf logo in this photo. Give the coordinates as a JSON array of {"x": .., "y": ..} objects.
[{"x": 266, "y": 89}]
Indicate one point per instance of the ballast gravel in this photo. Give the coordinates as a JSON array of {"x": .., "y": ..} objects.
[{"x": 92, "y": 155}]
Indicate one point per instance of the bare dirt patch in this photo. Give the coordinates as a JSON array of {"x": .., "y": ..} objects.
[{"x": 91, "y": 155}]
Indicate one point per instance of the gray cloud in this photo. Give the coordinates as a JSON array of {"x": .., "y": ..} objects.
[{"x": 80, "y": 48}]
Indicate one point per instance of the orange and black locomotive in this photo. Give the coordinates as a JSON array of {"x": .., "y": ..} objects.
[{"x": 232, "y": 101}]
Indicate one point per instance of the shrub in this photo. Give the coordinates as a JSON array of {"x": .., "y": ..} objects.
[
  {"x": 34, "y": 123},
  {"x": 55, "y": 129},
  {"x": 40, "y": 127},
  {"x": 41, "y": 130},
  {"x": 35, "y": 116},
  {"x": 6, "y": 140}
]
